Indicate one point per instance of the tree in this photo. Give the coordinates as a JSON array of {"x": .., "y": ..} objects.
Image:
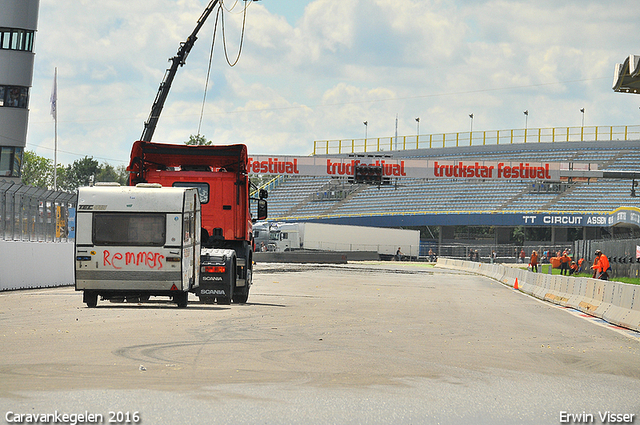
[
  {"x": 109, "y": 173},
  {"x": 123, "y": 175},
  {"x": 198, "y": 140},
  {"x": 517, "y": 235},
  {"x": 79, "y": 173},
  {"x": 37, "y": 170},
  {"x": 106, "y": 173}
]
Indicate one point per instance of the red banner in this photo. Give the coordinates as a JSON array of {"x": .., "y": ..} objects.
[{"x": 413, "y": 168}]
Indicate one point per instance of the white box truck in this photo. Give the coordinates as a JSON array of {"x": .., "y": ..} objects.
[
  {"x": 339, "y": 237},
  {"x": 133, "y": 242}
]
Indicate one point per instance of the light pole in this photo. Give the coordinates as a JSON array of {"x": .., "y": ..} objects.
[
  {"x": 418, "y": 126},
  {"x": 366, "y": 127},
  {"x": 582, "y": 110},
  {"x": 471, "y": 119},
  {"x": 526, "y": 124}
]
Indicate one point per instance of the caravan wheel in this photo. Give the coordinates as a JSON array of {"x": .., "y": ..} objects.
[
  {"x": 90, "y": 298},
  {"x": 181, "y": 299}
]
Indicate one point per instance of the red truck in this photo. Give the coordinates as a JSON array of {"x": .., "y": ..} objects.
[{"x": 220, "y": 175}]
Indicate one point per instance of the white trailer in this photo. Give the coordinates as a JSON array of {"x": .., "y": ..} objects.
[
  {"x": 338, "y": 237},
  {"x": 133, "y": 242}
]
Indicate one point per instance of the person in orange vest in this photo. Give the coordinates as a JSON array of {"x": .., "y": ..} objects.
[
  {"x": 603, "y": 266},
  {"x": 580, "y": 261},
  {"x": 565, "y": 260},
  {"x": 534, "y": 261},
  {"x": 595, "y": 266},
  {"x": 574, "y": 268}
]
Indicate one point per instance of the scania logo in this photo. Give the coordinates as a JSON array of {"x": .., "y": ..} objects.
[
  {"x": 212, "y": 292},
  {"x": 211, "y": 277}
]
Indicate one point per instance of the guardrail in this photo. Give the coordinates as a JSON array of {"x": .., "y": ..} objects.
[
  {"x": 477, "y": 138},
  {"x": 33, "y": 214},
  {"x": 615, "y": 302}
]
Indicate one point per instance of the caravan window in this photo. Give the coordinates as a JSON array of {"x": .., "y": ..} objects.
[
  {"x": 129, "y": 229},
  {"x": 188, "y": 227}
]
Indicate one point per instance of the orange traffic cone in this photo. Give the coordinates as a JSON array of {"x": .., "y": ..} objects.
[{"x": 515, "y": 285}]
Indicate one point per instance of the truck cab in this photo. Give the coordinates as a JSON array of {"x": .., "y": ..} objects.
[
  {"x": 219, "y": 173},
  {"x": 285, "y": 237}
]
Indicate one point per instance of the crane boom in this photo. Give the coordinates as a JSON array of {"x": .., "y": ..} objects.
[{"x": 178, "y": 60}]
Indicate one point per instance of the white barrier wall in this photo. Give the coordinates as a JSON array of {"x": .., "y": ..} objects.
[
  {"x": 615, "y": 302},
  {"x": 35, "y": 264}
]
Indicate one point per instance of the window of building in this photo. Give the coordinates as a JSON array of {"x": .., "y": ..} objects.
[
  {"x": 17, "y": 162},
  {"x": 14, "y": 96},
  {"x": 5, "y": 41},
  {"x": 10, "y": 161},
  {"x": 5, "y": 161},
  {"x": 16, "y": 39}
]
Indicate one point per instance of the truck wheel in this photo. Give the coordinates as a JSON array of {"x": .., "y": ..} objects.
[
  {"x": 90, "y": 298},
  {"x": 241, "y": 295},
  {"x": 232, "y": 285},
  {"x": 181, "y": 299}
]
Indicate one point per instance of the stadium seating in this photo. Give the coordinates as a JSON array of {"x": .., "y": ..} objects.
[{"x": 301, "y": 197}]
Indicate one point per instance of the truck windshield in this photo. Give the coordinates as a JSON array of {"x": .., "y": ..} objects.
[
  {"x": 203, "y": 189},
  {"x": 129, "y": 229}
]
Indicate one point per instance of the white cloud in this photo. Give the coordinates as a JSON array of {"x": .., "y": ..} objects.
[{"x": 344, "y": 62}]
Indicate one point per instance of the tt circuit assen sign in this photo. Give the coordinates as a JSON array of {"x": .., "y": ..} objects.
[
  {"x": 623, "y": 216},
  {"x": 565, "y": 220},
  {"x": 410, "y": 168}
]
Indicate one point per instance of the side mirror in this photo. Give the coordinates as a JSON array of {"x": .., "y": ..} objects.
[
  {"x": 262, "y": 209},
  {"x": 264, "y": 194}
]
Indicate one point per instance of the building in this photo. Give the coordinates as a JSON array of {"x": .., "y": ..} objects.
[
  {"x": 18, "y": 24},
  {"x": 549, "y": 210}
]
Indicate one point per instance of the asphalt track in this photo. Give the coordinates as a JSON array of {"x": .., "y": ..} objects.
[{"x": 318, "y": 344}]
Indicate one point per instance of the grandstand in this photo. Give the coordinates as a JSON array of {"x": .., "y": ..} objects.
[{"x": 454, "y": 202}]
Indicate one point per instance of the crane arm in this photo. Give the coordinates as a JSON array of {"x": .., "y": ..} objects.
[{"x": 178, "y": 60}]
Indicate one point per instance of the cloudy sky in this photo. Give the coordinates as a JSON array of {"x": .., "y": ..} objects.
[{"x": 317, "y": 69}]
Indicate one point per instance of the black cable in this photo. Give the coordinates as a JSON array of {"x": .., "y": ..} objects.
[
  {"x": 206, "y": 85},
  {"x": 224, "y": 39}
]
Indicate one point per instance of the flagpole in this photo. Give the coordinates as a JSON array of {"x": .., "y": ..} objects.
[{"x": 54, "y": 112}]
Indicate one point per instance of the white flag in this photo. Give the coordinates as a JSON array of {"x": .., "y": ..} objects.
[{"x": 54, "y": 96}]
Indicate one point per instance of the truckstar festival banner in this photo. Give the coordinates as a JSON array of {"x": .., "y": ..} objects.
[{"x": 412, "y": 168}]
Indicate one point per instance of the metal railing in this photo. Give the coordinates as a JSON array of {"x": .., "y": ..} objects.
[
  {"x": 33, "y": 214},
  {"x": 477, "y": 138},
  {"x": 270, "y": 185}
]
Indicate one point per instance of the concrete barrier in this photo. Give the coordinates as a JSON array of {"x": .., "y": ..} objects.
[
  {"x": 632, "y": 319},
  {"x": 578, "y": 288},
  {"x": 604, "y": 294},
  {"x": 615, "y": 302},
  {"x": 317, "y": 257},
  {"x": 622, "y": 301},
  {"x": 27, "y": 265}
]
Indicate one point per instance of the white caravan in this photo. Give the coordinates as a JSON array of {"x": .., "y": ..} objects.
[{"x": 133, "y": 242}]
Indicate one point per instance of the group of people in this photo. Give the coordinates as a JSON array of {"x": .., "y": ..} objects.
[
  {"x": 568, "y": 266},
  {"x": 474, "y": 255}
]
